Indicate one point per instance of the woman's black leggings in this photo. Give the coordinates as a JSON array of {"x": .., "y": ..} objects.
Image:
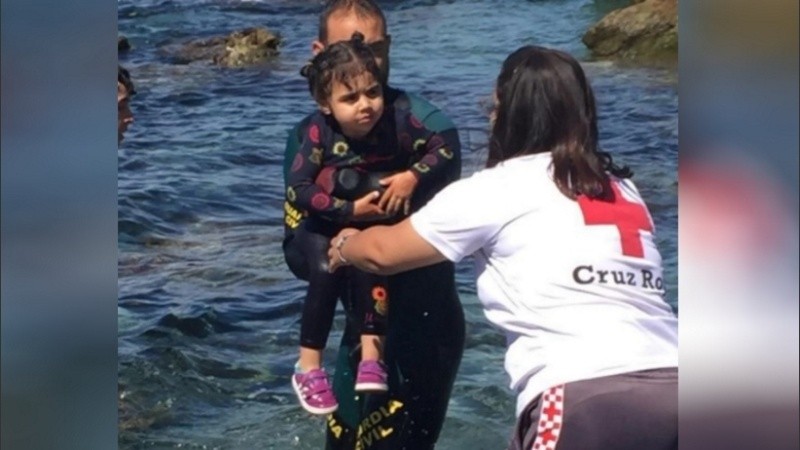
[{"x": 324, "y": 288}]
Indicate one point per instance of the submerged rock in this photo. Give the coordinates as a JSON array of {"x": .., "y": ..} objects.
[
  {"x": 131, "y": 416},
  {"x": 645, "y": 30},
  {"x": 247, "y": 47}
]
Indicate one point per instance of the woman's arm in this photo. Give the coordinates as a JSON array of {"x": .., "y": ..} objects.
[{"x": 384, "y": 250}]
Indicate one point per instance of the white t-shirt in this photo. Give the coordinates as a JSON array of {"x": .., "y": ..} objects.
[{"x": 576, "y": 301}]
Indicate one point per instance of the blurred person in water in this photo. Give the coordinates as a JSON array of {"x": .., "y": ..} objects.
[
  {"x": 567, "y": 266},
  {"x": 124, "y": 92}
]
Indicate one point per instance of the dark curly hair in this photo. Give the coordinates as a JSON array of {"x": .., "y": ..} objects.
[{"x": 342, "y": 62}]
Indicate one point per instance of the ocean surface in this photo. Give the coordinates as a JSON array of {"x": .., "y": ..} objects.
[{"x": 208, "y": 312}]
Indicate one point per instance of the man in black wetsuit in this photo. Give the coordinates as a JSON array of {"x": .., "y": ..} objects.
[{"x": 425, "y": 336}]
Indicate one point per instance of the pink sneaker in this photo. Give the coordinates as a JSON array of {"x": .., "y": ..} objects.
[
  {"x": 314, "y": 391},
  {"x": 371, "y": 377}
]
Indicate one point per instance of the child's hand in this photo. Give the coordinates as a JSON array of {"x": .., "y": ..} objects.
[
  {"x": 399, "y": 188},
  {"x": 365, "y": 206}
]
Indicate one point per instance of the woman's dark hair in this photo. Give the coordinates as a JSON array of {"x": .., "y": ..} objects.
[
  {"x": 545, "y": 104},
  {"x": 342, "y": 62}
]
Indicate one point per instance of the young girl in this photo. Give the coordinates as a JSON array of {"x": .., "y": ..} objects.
[{"x": 349, "y": 144}]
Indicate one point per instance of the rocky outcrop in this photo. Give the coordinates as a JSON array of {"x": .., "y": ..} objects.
[
  {"x": 247, "y": 47},
  {"x": 646, "y": 30}
]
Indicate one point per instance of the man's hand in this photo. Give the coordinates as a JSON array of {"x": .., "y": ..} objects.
[
  {"x": 365, "y": 207},
  {"x": 399, "y": 188}
]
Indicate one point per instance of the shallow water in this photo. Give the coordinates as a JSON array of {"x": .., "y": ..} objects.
[{"x": 208, "y": 312}]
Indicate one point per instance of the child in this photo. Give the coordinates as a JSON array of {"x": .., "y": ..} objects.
[{"x": 346, "y": 145}]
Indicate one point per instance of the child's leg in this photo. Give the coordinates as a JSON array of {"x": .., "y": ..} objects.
[
  {"x": 310, "y": 382},
  {"x": 373, "y": 302},
  {"x": 320, "y": 302},
  {"x": 372, "y": 295},
  {"x": 372, "y": 347}
]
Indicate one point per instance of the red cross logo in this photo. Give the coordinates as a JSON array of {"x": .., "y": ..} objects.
[
  {"x": 546, "y": 436},
  {"x": 551, "y": 411},
  {"x": 629, "y": 218}
]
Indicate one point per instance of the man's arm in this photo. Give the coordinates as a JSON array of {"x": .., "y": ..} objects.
[
  {"x": 292, "y": 214},
  {"x": 435, "y": 120},
  {"x": 291, "y": 149}
]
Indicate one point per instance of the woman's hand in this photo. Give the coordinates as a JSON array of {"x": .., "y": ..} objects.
[
  {"x": 399, "y": 188},
  {"x": 335, "y": 257}
]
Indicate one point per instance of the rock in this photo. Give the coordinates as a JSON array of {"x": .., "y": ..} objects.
[
  {"x": 123, "y": 45},
  {"x": 247, "y": 47},
  {"x": 646, "y": 30}
]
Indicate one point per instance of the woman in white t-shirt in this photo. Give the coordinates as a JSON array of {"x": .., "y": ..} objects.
[{"x": 566, "y": 261}]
